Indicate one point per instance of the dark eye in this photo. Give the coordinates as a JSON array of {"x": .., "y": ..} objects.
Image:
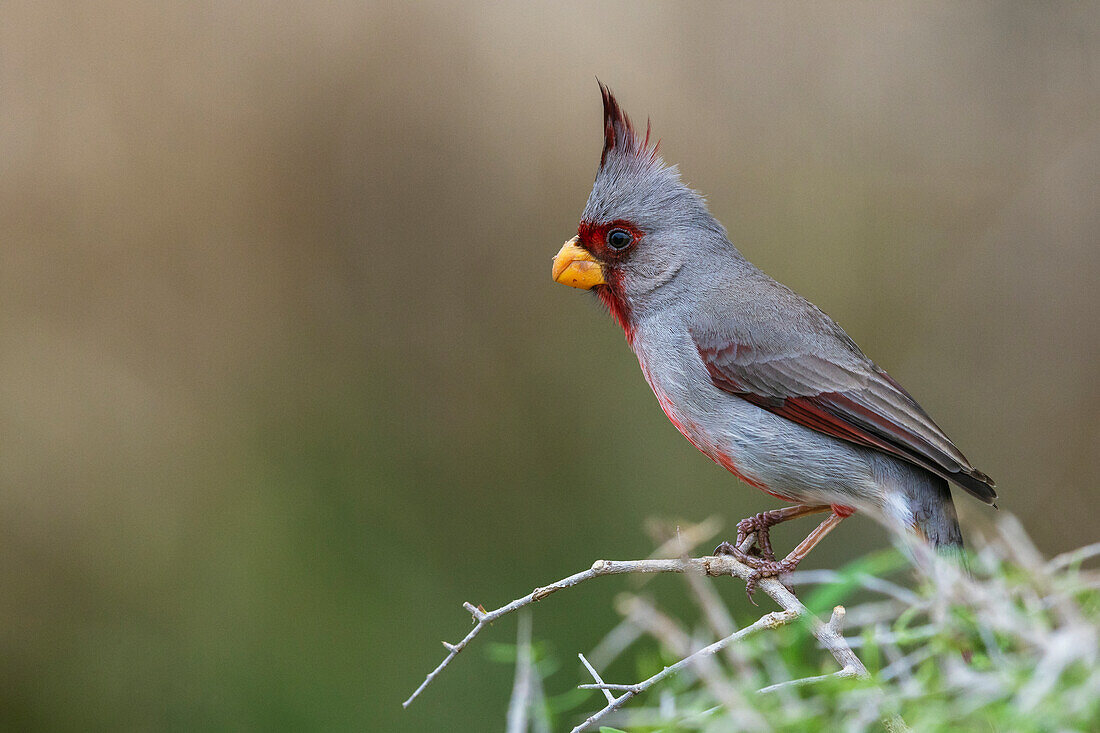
[{"x": 619, "y": 239}]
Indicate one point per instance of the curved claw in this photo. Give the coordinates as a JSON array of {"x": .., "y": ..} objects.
[
  {"x": 767, "y": 569},
  {"x": 760, "y": 524},
  {"x": 750, "y": 585},
  {"x": 725, "y": 549}
]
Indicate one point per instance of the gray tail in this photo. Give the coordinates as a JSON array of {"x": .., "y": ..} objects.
[{"x": 934, "y": 516}]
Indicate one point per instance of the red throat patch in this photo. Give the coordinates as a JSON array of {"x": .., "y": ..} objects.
[
  {"x": 593, "y": 237},
  {"x": 611, "y": 295}
]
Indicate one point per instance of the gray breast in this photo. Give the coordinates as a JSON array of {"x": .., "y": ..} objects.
[{"x": 789, "y": 459}]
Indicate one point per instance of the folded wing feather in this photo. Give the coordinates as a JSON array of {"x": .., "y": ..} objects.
[{"x": 848, "y": 397}]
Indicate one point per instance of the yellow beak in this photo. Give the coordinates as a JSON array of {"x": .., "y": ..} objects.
[{"x": 576, "y": 267}]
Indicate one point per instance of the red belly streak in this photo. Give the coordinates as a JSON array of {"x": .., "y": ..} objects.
[{"x": 725, "y": 460}]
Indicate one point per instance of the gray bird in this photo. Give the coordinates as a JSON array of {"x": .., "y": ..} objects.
[{"x": 754, "y": 375}]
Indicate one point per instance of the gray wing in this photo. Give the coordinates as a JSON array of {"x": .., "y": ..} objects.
[{"x": 820, "y": 379}]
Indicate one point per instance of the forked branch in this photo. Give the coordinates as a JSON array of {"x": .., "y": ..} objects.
[{"x": 828, "y": 634}]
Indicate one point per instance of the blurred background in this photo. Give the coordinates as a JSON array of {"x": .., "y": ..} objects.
[{"x": 284, "y": 378}]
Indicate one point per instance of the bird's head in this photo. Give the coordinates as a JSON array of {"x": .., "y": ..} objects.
[{"x": 641, "y": 227}]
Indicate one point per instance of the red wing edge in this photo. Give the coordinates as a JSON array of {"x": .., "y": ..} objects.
[{"x": 838, "y": 415}]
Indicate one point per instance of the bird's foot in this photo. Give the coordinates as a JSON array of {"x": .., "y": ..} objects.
[
  {"x": 767, "y": 569},
  {"x": 728, "y": 548},
  {"x": 760, "y": 525},
  {"x": 762, "y": 567}
]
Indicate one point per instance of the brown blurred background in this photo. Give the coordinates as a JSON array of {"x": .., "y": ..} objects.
[{"x": 284, "y": 379}]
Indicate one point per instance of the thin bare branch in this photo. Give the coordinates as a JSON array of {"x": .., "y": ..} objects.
[
  {"x": 708, "y": 565},
  {"x": 716, "y": 614},
  {"x": 830, "y": 638},
  {"x": 596, "y": 676},
  {"x": 714, "y": 566},
  {"x": 672, "y": 636},
  {"x": 1075, "y": 556},
  {"x": 769, "y": 621},
  {"x": 1037, "y": 605},
  {"x": 846, "y": 672}
]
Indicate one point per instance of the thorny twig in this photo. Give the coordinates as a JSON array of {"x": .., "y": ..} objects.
[
  {"x": 711, "y": 566},
  {"x": 771, "y": 620},
  {"x": 596, "y": 676},
  {"x": 642, "y": 614},
  {"x": 1027, "y": 615}
]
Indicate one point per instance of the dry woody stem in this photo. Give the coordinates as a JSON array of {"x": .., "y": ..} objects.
[{"x": 828, "y": 634}]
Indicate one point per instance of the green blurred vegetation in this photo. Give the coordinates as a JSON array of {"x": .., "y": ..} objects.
[
  {"x": 283, "y": 377},
  {"x": 1012, "y": 645}
]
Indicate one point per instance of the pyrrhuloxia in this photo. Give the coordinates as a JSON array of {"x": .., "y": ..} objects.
[{"x": 755, "y": 376}]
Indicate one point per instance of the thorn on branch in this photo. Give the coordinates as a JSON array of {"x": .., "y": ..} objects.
[
  {"x": 596, "y": 676},
  {"x": 540, "y": 593},
  {"x": 476, "y": 611},
  {"x": 827, "y": 634},
  {"x": 607, "y": 687},
  {"x": 836, "y": 621}
]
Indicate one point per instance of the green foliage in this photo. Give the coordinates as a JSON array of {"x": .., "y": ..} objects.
[{"x": 1010, "y": 645}]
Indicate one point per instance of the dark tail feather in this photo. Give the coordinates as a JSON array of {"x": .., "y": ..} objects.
[
  {"x": 977, "y": 483},
  {"x": 935, "y": 519}
]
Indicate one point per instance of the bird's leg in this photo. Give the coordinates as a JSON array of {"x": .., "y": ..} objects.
[
  {"x": 770, "y": 567},
  {"x": 760, "y": 525}
]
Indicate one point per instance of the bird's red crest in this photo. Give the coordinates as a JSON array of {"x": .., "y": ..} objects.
[{"x": 618, "y": 133}]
